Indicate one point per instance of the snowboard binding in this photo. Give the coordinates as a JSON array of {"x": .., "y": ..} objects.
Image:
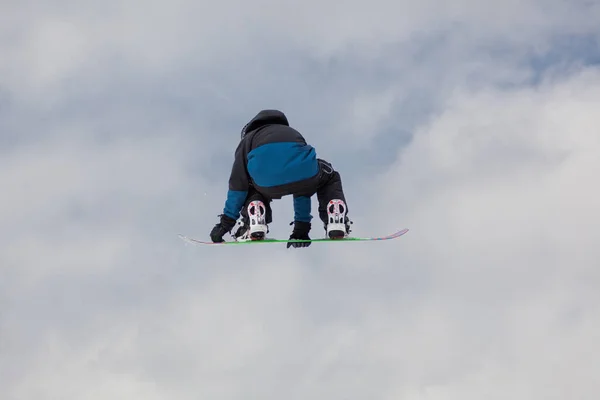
[
  {"x": 253, "y": 227},
  {"x": 338, "y": 224}
]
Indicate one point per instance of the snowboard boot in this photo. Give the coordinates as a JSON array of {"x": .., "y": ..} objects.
[
  {"x": 254, "y": 226},
  {"x": 338, "y": 224}
]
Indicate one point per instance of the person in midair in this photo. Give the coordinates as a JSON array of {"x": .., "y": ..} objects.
[{"x": 274, "y": 160}]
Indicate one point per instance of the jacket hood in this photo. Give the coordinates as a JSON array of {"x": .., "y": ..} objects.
[{"x": 265, "y": 117}]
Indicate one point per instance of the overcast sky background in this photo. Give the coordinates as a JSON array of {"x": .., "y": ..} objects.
[{"x": 474, "y": 124}]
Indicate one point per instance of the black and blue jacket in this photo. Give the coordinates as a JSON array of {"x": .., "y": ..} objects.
[{"x": 275, "y": 160}]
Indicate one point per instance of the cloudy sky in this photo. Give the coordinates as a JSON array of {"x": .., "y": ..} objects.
[{"x": 473, "y": 124}]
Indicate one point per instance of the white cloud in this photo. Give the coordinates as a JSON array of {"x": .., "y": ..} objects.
[
  {"x": 498, "y": 190},
  {"x": 80, "y": 204},
  {"x": 119, "y": 120}
]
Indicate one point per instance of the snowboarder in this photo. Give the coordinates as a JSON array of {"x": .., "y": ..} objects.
[{"x": 273, "y": 160}]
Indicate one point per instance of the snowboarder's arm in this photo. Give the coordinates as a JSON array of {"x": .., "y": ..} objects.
[
  {"x": 238, "y": 185},
  {"x": 302, "y": 208}
]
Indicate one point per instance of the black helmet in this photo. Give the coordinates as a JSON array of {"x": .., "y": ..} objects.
[{"x": 264, "y": 117}]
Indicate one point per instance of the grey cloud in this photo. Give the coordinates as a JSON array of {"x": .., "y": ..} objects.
[{"x": 118, "y": 124}]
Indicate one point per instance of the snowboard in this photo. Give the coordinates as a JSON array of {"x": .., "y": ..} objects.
[{"x": 273, "y": 240}]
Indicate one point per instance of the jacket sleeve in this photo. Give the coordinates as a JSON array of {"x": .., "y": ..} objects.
[
  {"x": 238, "y": 184},
  {"x": 302, "y": 208}
]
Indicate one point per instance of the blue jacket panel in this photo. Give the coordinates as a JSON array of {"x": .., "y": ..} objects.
[
  {"x": 302, "y": 208},
  {"x": 235, "y": 201},
  {"x": 275, "y": 164}
]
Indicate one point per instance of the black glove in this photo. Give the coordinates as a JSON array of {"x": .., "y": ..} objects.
[
  {"x": 300, "y": 231},
  {"x": 220, "y": 229}
]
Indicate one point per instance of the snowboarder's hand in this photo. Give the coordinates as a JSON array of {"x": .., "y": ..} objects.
[
  {"x": 301, "y": 230},
  {"x": 220, "y": 229}
]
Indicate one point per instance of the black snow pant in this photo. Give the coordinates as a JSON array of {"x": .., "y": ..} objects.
[{"x": 327, "y": 185}]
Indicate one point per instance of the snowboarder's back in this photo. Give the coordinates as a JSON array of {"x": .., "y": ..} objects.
[{"x": 277, "y": 154}]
